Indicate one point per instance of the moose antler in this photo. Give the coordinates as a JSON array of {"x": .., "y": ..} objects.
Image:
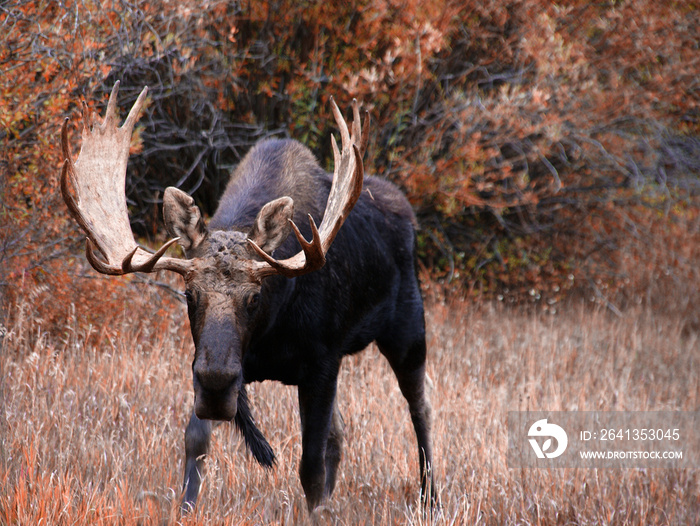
[
  {"x": 348, "y": 174},
  {"x": 93, "y": 187}
]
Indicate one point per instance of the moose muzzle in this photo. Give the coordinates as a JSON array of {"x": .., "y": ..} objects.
[{"x": 217, "y": 374}]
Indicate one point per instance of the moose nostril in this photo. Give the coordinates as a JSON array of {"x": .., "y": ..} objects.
[{"x": 217, "y": 379}]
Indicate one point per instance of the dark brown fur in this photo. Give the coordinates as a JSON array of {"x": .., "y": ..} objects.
[{"x": 297, "y": 330}]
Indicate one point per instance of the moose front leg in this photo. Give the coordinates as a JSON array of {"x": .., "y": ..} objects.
[
  {"x": 197, "y": 438},
  {"x": 334, "y": 448},
  {"x": 319, "y": 459}
]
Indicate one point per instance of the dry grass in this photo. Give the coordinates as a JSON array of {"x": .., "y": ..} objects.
[{"x": 92, "y": 423}]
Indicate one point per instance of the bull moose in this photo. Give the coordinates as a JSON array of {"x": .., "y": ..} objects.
[{"x": 260, "y": 308}]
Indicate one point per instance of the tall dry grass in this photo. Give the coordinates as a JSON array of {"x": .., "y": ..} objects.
[{"x": 92, "y": 422}]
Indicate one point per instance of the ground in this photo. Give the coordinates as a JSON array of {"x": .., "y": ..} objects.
[{"x": 93, "y": 419}]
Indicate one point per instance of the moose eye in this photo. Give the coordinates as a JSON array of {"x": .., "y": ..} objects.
[
  {"x": 189, "y": 296},
  {"x": 253, "y": 301}
]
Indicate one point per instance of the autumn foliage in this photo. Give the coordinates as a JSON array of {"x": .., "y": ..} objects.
[{"x": 546, "y": 147}]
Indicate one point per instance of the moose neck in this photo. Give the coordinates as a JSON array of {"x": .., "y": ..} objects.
[{"x": 273, "y": 168}]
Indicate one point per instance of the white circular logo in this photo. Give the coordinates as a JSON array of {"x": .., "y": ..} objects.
[{"x": 545, "y": 432}]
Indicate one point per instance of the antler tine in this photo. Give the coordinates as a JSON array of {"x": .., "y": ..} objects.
[
  {"x": 88, "y": 117},
  {"x": 356, "y": 124},
  {"x": 99, "y": 265},
  {"x": 111, "y": 114},
  {"x": 135, "y": 110},
  {"x": 311, "y": 258},
  {"x": 93, "y": 188},
  {"x": 345, "y": 190},
  {"x": 68, "y": 173},
  {"x": 150, "y": 263},
  {"x": 340, "y": 121},
  {"x": 365, "y": 134},
  {"x": 360, "y": 131}
]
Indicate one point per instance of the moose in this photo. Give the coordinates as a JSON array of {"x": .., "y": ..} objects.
[{"x": 259, "y": 307}]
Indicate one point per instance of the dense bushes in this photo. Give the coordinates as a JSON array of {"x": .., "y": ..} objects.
[{"x": 543, "y": 146}]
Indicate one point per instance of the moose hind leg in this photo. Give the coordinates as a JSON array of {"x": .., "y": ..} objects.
[
  {"x": 412, "y": 386},
  {"x": 408, "y": 364},
  {"x": 197, "y": 438}
]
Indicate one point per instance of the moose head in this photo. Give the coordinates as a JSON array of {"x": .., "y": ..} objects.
[{"x": 223, "y": 271}]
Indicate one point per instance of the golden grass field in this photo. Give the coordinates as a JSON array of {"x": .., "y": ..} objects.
[{"x": 92, "y": 421}]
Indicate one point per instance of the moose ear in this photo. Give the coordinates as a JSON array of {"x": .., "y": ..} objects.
[
  {"x": 183, "y": 218},
  {"x": 272, "y": 227}
]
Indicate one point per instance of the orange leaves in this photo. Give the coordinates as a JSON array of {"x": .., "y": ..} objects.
[{"x": 500, "y": 120}]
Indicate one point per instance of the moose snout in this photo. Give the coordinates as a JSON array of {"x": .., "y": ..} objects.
[
  {"x": 216, "y": 392},
  {"x": 216, "y": 379},
  {"x": 217, "y": 376}
]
